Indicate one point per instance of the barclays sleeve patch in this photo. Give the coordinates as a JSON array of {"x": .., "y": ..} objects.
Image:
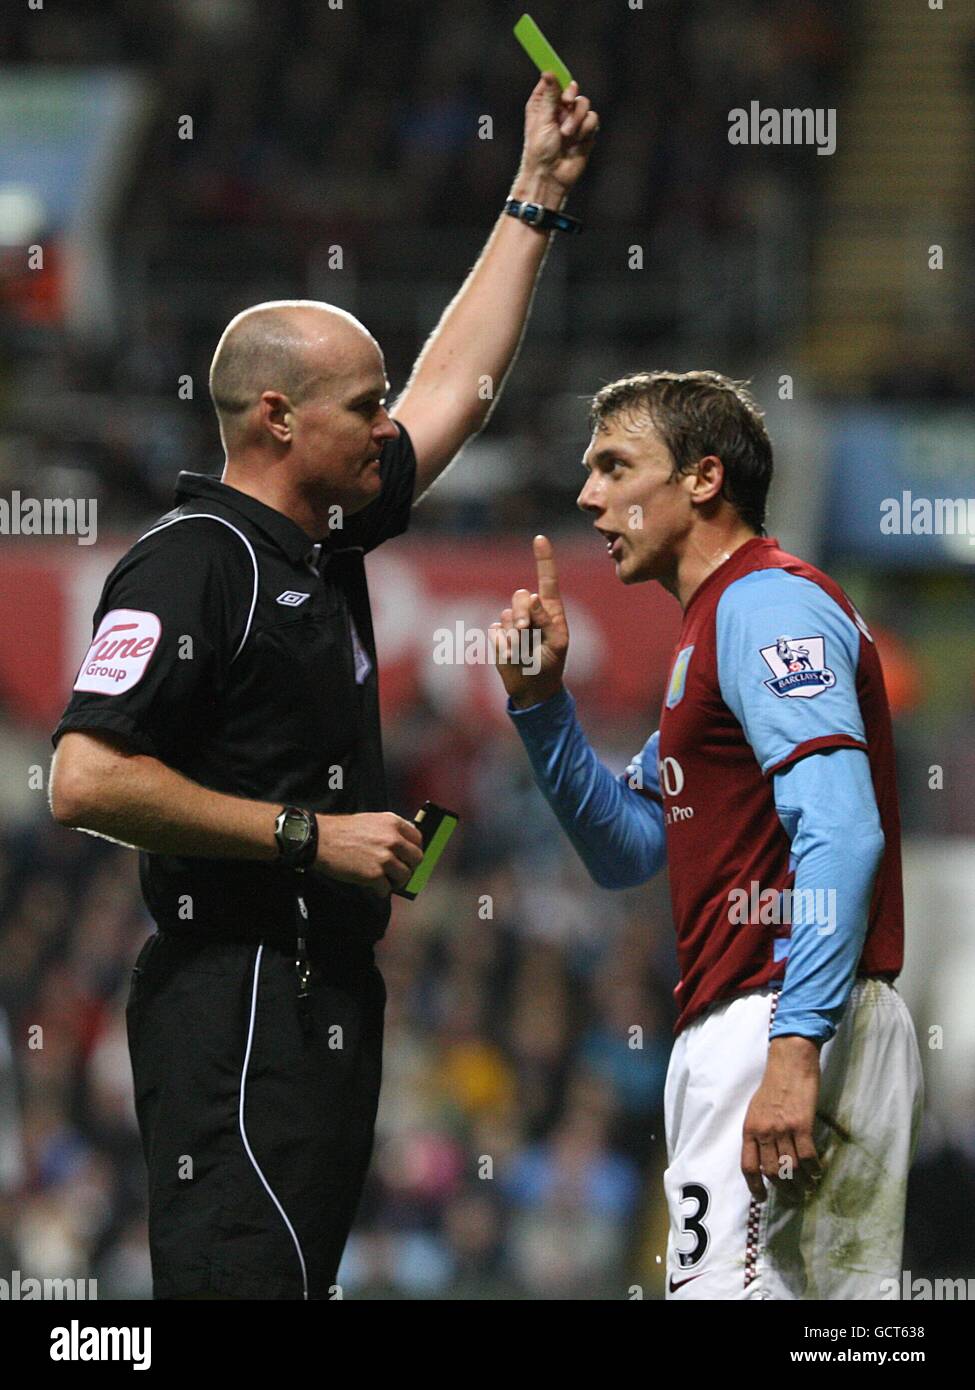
[{"x": 798, "y": 666}]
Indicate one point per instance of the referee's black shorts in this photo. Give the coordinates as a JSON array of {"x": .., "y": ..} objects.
[{"x": 257, "y": 1129}]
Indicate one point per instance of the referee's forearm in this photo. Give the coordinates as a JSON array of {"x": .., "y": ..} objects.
[{"x": 138, "y": 801}]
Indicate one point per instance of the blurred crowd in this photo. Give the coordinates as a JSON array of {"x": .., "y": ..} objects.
[{"x": 363, "y": 132}]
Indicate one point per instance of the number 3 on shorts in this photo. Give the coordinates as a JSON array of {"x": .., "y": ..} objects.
[{"x": 692, "y": 1223}]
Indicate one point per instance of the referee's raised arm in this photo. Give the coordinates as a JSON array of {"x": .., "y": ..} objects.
[{"x": 478, "y": 336}]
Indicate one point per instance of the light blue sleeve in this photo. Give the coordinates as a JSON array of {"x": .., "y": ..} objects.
[
  {"x": 787, "y": 662},
  {"x": 827, "y": 806},
  {"x": 615, "y": 824}
]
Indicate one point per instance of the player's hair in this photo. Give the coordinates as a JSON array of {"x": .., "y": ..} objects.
[{"x": 696, "y": 414}]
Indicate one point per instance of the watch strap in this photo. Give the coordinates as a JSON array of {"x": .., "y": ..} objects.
[{"x": 542, "y": 218}]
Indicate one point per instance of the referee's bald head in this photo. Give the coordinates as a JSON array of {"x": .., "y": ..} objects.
[{"x": 297, "y": 347}]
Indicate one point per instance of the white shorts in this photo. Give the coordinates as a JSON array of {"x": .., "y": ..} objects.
[{"x": 847, "y": 1237}]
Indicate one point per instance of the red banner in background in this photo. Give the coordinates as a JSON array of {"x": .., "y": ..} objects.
[
  {"x": 621, "y": 637},
  {"x": 33, "y": 638}
]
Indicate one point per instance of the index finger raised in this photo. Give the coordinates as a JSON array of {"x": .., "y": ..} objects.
[{"x": 548, "y": 580}]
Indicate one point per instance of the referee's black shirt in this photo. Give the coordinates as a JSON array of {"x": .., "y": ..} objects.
[{"x": 229, "y": 647}]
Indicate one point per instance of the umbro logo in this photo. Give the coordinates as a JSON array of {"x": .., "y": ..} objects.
[{"x": 290, "y": 599}]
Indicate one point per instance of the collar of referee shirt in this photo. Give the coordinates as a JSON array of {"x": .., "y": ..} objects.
[{"x": 297, "y": 545}]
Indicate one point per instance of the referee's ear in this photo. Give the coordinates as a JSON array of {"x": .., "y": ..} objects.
[{"x": 279, "y": 418}]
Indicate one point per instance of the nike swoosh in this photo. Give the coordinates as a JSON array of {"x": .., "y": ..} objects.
[{"x": 675, "y": 1285}]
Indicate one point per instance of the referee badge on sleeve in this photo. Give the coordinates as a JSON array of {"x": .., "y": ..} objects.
[{"x": 118, "y": 657}]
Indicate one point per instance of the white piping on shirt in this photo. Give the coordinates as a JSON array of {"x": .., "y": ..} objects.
[
  {"x": 243, "y": 1132},
  {"x": 209, "y": 516}
]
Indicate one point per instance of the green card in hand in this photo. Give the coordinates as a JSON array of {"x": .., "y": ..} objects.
[{"x": 541, "y": 52}]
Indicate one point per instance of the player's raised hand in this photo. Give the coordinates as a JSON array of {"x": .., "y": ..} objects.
[
  {"x": 531, "y": 640},
  {"x": 560, "y": 130}
]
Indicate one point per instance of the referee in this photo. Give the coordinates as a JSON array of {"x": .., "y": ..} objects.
[{"x": 225, "y": 722}]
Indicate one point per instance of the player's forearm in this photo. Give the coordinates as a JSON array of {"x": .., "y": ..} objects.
[
  {"x": 468, "y": 356},
  {"x": 617, "y": 833},
  {"x": 138, "y": 801},
  {"x": 838, "y": 844}
]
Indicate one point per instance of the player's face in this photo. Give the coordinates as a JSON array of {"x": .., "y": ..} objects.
[
  {"x": 339, "y": 434},
  {"x": 637, "y": 504}
]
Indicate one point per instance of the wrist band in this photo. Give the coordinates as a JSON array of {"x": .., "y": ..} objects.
[{"x": 541, "y": 218}]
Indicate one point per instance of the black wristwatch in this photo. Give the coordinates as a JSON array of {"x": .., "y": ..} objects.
[
  {"x": 296, "y": 832},
  {"x": 542, "y": 218}
]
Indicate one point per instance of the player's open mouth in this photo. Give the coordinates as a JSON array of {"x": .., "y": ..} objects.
[{"x": 614, "y": 542}]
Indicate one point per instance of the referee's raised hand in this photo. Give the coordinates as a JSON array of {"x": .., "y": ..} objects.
[
  {"x": 560, "y": 131},
  {"x": 531, "y": 639},
  {"x": 377, "y": 850}
]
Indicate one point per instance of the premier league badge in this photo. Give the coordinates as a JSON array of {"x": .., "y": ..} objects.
[{"x": 798, "y": 665}]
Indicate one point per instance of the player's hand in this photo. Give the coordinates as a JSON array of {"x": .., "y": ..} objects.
[
  {"x": 532, "y": 638},
  {"x": 777, "y": 1136},
  {"x": 560, "y": 130},
  {"x": 376, "y": 850}
]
